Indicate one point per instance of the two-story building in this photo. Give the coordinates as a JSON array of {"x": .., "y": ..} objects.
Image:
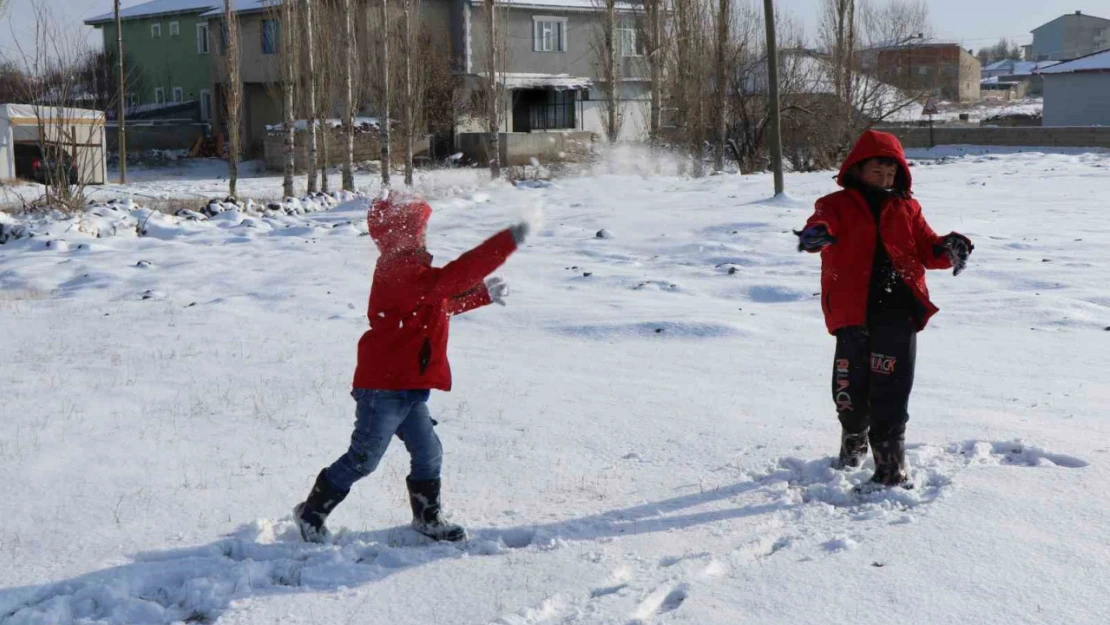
[
  {"x": 167, "y": 47},
  {"x": 945, "y": 70},
  {"x": 1070, "y": 37},
  {"x": 550, "y": 62}
]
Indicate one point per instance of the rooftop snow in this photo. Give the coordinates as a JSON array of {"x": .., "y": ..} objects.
[
  {"x": 244, "y": 6},
  {"x": 556, "y": 81},
  {"x": 1099, "y": 61},
  {"x": 157, "y": 7},
  {"x": 572, "y": 5}
]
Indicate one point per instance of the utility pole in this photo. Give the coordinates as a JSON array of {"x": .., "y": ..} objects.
[
  {"x": 775, "y": 112},
  {"x": 122, "y": 103}
]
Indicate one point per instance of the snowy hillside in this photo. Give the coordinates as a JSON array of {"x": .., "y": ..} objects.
[{"x": 643, "y": 435}]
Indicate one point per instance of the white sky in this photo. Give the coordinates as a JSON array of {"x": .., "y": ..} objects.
[{"x": 974, "y": 23}]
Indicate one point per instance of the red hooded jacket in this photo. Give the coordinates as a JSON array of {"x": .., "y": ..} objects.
[
  {"x": 909, "y": 241},
  {"x": 411, "y": 302}
]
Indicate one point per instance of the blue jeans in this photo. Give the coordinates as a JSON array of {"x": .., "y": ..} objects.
[{"x": 378, "y": 416}]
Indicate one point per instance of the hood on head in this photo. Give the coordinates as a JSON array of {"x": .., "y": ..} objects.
[
  {"x": 875, "y": 144},
  {"x": 397, "y": 221}
]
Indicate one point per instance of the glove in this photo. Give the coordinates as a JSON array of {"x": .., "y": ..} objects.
[
  {"x": 498, "y": 290},
  {"x": 520, "y": 232},
  {"x": 957, "y": 247},
  {"x": 814, "y": 238}
]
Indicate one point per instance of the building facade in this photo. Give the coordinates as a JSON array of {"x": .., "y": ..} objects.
[
  {"x": 1070, "y": 37},
  {"x": 167, "y": 47},
  {"x": 1077, "y": 93},
  {"x": 945, "y": 70}
]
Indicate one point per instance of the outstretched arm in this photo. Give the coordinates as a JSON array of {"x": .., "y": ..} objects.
[{"x": 466, "y": 272}]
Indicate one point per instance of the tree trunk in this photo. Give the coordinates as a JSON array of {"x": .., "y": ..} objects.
[
  {"x": 348, "y": 100},
  {"x": 233, "y": 113},
  {"x": 122, "y": 102},
  {"x": 325, "y": 187},
  {"x": 721, "y": 88},
  {"x": 407, "y": 109},
  {"x": 289, "y": 76},
  {"x": 657, "y": 59},
  {"x": 310, "y": 52},
  {"x": 613, "y": 77},
  {"x": 386, "y": 92},
  {"x": 493, "y": 92}
]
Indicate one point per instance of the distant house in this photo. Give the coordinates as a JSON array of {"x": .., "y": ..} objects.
[
  {"x": 1019, "y": 77},
  {"x": 1077, "y": 93},
  {"x": 552, "y": 80},
  {"x": 166, "y": 48},
  {"x": 939, "y": 69},
  {"x": 1070, "y": 36}
]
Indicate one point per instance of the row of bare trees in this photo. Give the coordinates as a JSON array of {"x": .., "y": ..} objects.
[
  {"x": 339, "y": 57},
  {"x": 706, "y": 61}
]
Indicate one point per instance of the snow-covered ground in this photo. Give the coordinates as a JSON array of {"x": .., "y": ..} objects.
[
  {"x": 986, "y": 109},
  {"x": 643, "y": 435}
]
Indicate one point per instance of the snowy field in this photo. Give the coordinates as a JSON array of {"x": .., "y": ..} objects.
[{"x": 642, "y": 436}]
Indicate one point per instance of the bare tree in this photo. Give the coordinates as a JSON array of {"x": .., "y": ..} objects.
[
  {"x": 607, "y": 48},
  {"x": 720, "y": 87},
  {"x": 408, "y": 39},
  {"x": 654, "y": 36},
  {"x": 691, "y": 78},
  {"x": 70, "y": 140},
  {"x": 386, "y": 92},
  {"x": 494, "y": 87},
  {"x": 285, "y": 16},
  {"x": 233, "y": 102},
  {"x": 309, "y": 25},
  {"x": 348, "y": 98},
  {"x": 122, "y": 117}
]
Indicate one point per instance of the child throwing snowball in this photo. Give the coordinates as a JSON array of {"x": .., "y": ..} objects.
[
  {"x": 875, "y": 246},
  {"x": 403, "y": 356}
]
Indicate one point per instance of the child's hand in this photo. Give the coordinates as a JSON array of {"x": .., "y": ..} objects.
[
  {"x": 520, "y": 232},
  {"x": 958, "y": 248},
  {"x": 498, "y": 290},
  {"x": 814, "y": 238}
]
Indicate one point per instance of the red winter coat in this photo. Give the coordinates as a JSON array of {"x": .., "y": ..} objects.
[
  {"x": 846, "y": 264},
  {"x": 411, "y": 302}
]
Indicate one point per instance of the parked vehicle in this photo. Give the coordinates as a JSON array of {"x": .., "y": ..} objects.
[{"x": 31, "y": 163}]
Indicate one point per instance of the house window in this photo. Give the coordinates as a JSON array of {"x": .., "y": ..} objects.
[
  {"x": 202, "y": 38},
  {"x": 205, "y": 105},
  {"x": 175, "y": 29},
  {"x": 159, "y": 95},
  {"x": 224, "y": 36},
  {"x": 155, "y": 31},
  {"x": 178, "y": 95},
  {"x": 629, "y": 37},
  {"x": 549, "y": 34},
  {"x": 271, "y": 36}
]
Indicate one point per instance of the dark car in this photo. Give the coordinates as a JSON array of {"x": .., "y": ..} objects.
[{"x": 32, "y": 164}]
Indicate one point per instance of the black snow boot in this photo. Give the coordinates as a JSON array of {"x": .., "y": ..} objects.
[
  {"x": 853, "y": 449},
  {"x": 427, "y": 516},
  {"x": 312, "y": 512},
  {"x": 890, "y": 466}
]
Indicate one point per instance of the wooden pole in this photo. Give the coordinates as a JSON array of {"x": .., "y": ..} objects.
[
  {"x": 122, "y": 103},
  {"x": 775, "y": 112}
]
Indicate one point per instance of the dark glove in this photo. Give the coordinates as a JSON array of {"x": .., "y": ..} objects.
[
  {"x": 814, "y": 238},
  {"x": 520, "y": 232},
  {"x": 957, "y": 247}
]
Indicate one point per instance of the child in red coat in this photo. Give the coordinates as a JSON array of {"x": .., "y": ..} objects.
[
  {"x": 403, "y": 356},
  {"x": 875, "y": 247}
]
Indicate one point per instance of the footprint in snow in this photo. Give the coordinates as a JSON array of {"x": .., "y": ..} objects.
[{"x": 661, "y": 601}]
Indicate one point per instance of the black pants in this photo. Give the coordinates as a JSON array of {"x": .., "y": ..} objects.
[{"x": 873, "y": 377}]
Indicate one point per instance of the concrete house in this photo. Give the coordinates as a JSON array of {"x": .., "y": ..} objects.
[
  {"x": 1077, "y": 93},
  {"x": 551, "y": 78},
  {"x": 1070, "y": 36},
  {"x": 167, "y": 46},
  {"x": 941, "y": 69}
]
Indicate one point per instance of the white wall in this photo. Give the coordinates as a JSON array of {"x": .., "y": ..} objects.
[
  {"x": 635, "y": 112},
  {"x": 1077, "y": 99}
]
